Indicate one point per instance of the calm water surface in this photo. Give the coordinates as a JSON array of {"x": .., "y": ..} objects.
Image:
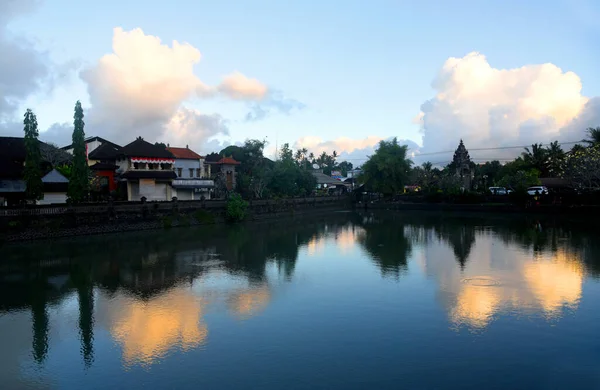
[{"x": 342, "y": 301}]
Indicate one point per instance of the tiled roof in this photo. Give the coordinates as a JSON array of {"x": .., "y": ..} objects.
[
  {"x": 92, "y": 139},
  {"x": 141, "y": 148},
  {"x": 106, "y": 151},
  {"x": 103, "y": 167},
  {"x": 149, "y": 175},
  {"x": 184, "y": 153},
  {"x": 324, "y": 179},
  {"x": 227, "y": 161},
  {"x": 54, "y": 176},
  {"x": 12, "y": 156}
]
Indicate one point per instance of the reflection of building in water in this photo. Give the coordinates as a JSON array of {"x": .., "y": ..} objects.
[
  {"x": 490, "y": 285},
  {"x": 246, "y": 303},
  {"x": 147, "y": 330}
]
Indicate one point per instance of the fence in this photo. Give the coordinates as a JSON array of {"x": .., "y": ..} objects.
[{"x": 125, "y": 207}]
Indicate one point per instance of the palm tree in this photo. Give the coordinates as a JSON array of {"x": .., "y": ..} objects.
[
  {"x": 556, "y": 157},
  {"x": 537, "y": 157},
  {"x": 594, "y": 136}
]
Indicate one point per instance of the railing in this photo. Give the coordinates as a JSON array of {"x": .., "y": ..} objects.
[{"x": 132, "y": 207}]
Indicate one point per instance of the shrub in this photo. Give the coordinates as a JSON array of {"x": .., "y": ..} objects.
[
  {"x": 167, "y": 222},
  {"x": 236, "y": 208}
]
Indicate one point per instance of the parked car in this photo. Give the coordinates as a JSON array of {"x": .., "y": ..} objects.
[
  {"x": 498, "y": 191},
  {"x": 537, "y": 190}
]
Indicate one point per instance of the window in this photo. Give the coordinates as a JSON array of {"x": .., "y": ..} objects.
[
  {"x": 198, "y": 172},
  {"x": 191, "y": 172},
  {"x": 179, "y": 171},
  {"x": 136, "y": 165}
]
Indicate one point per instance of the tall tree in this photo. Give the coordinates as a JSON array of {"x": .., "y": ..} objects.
[
  {"x": 556, "y": 159},
  {"x": 388, "y": 170},
  {"x": 593, "y": 136},
  {"x": 537, "y": 158},
  {"x": 33, "y": 158},
  {"x": 79, "y": 182}
]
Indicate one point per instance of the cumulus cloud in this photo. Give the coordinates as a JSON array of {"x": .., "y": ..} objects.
[
  {"x": 237, "y": 86},
  {"x": 22, "y": 68},
  {"x": 489, "y": 107},
  {"x": 140, "y": 87}
]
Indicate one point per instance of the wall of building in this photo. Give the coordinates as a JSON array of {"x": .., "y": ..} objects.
[
  {"x": 53, "y": 198},
  {"x": 185, "y": 166}
]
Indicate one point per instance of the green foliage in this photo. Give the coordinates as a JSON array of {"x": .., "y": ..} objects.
[
  {"x": 167, "y": 222},
  {"x": 79, "y": 181},
  {"x": 65, "y": 170},
  {"x": 33, "y": 158},
  {"x": 236, "y": 208},
  {"x": 583, "y": 168},
  {"x": 593, "y": 136},
  {"x": 204, "y": 217},
  {"x": 388, "y": 170},
  {"x": 521, "y": 180}
]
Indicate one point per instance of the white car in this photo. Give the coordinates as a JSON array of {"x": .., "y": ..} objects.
[
  {"x": 537, "y": 190},
  {"x": 498, "y": 190}
]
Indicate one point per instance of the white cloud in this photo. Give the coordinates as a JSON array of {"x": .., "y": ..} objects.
[
  {"x": 489, "y": 107},
  {"x": 237, "y": 86},
  {"x": 140, "y": 88}
]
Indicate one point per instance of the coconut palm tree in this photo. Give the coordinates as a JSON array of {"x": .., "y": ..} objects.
[
  {"x": 537, "y": 157},
  {"x": 593, "y": 136}
]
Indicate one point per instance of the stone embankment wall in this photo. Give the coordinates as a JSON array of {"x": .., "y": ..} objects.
[{"x": 64, "y": 221}]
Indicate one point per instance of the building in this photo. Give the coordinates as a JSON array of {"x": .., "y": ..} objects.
[
  {"x": 55, "y": 188},
  {"x": 145, "y": 171},
  {"x": 91, "y": 144},
  {"x": 193, "y": 175},
  {"x": 102, "y": 161},
  {"x": 328, "y": 183},
  {"x": 224, "y": 170},
  {"x": 12, "y": 164},
  {"x": 462, "y": 163}
]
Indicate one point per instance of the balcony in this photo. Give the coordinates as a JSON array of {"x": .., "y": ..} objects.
[{"x": 193, "y": 183}]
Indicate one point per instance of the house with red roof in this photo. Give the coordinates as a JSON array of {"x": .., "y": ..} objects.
[
  {"x": 193, "y": 175},
  {"x": 145, "y": 170},
  {"x": 224, "y": 169}
]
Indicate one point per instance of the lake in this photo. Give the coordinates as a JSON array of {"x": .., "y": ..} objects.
[{"x": 346, "y": 300}]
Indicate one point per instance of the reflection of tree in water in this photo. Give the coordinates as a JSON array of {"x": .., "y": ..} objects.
[
  {"x": 461, "y": 238},
  {"x": 147, "y": 263},
  {"x": 386, "y": 243}
]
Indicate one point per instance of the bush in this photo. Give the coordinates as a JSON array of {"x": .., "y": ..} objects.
[
  {"x": 167, "y": 222},
  {"x": 236, "y": 208}
]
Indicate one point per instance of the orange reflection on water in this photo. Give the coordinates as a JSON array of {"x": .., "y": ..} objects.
[
  {"x": 147, "y": 330},
  {"x": 500, "y": 279},
  {"x": 249, "y": 302},
  {"x": 476, "y": 305},
  {"x": 555, "y": 281}
]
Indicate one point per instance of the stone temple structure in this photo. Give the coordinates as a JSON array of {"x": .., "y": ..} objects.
[{"x": 462, "y": 163}]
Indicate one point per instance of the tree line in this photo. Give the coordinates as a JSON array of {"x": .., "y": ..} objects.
[
  {"x": 390, "y": 169},
  {"x": 289, "y": 175}
]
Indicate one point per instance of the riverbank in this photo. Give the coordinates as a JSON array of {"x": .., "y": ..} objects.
[
  {"x": 485, "y": 208},
  {"x": 63, "y": 221}
]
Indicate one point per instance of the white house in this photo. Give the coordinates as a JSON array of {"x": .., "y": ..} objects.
[
  {"x": 146, "y": 170},
  {"x": 55, "y": 188},
  {"x": 193, "y": 175}
]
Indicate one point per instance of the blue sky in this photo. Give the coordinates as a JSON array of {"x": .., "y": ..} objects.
[{"x": 360, "y": 68}]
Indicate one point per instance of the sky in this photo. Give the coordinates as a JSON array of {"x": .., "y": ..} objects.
[{"x": 326, "y": 75}]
